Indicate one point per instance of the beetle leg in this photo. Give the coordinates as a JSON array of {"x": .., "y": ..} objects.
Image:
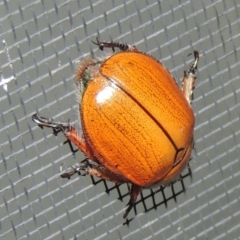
[
  {"x": 188, "y": 82},
  {"x": 77, "y": 168},
  {"x": 122, "y": 46},
  {"x": 103, "y": 173},
  {"x": 135, "y": 190},
  {"x": 92, "y": 170},
  {"x": 70, "y": 133},
  {"x": 44, "y": 122}
]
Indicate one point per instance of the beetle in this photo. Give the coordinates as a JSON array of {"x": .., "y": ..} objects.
[{"x": 137, "y": 124}]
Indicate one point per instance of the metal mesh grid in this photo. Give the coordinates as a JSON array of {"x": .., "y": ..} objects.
[{"x": 40, "y": 43}]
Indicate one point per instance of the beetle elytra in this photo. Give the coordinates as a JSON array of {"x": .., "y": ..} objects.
[{"x": 137, "y": 123}]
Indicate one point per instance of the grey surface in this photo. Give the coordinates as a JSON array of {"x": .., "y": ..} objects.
[{"x": 41, "y": 41}]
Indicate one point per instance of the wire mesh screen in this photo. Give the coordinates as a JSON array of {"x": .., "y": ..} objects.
[{"x": 41, "y": 42}]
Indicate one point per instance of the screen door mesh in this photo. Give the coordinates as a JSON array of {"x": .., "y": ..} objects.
[{"x": 40, "y": 45}]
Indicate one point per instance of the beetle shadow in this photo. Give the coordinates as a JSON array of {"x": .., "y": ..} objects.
[
  {"x": 150, "y": 199},
  {"x": 162, "y": 195}
]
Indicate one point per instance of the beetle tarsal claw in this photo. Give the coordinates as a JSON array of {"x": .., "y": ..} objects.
[
  {"x": 56, "y": 126},
  {"x": 193, "y": 66},
  {"x": 71, "y": 171},
  {"x": 77, "y": 168}
]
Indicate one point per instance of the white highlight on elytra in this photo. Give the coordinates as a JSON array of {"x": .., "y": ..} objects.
[{"x": 105, "y": 94}]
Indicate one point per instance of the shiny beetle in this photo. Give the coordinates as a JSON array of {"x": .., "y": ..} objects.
[{"x": 137, "y": 123}]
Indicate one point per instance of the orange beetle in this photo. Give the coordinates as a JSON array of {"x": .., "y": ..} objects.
[{"x": 137, "y": 124}]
